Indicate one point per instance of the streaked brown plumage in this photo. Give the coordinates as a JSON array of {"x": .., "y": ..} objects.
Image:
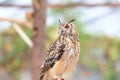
[{"x": 62, "y": 54}]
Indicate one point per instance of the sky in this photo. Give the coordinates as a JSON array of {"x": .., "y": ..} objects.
[{"x": 103, "y": 25}]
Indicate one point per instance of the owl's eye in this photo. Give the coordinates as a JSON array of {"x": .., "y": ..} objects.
[{"x": 67, "y": 27}]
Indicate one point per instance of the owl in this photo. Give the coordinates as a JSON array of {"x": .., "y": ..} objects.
[{"x": 63, "y": 53}]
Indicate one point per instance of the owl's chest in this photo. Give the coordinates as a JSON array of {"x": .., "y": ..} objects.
[
  {"x": 68, "y": 54},
  {"x": 71, "y": 59},
  {"x": 71, "y": 52},
  {"x": 67, "y": 61}
]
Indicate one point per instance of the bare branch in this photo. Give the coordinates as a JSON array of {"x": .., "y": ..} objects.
[
  {"x": 27, "y": 40},
  {"x": 66, "y": 5},
  {"x": 29, "y": 25},
  {"x": 83, "y": 5},
  {"x": 14, "y": 5}
]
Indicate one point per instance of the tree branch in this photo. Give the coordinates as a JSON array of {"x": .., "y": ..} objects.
[
  {"x": 27, "y": 40},
  {"x": 14, "y": 5},
  {"x": 29, "y": 25},
  {"x": 65, "y": 5},
  {"x": 83, "y": 5}
]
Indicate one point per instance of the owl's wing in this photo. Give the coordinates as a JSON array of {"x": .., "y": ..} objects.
[{"x": 53, "y": 55}]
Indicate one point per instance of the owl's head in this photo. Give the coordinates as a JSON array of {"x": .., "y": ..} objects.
[{"x": 67, "y": 28}]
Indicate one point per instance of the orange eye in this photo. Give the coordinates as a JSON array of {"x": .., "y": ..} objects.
[{"x": 67, "y": 27}]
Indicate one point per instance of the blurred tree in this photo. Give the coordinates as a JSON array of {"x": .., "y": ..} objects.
[
  {"x": 39, "y": 17},
  {"x": 14, "y": 57}
]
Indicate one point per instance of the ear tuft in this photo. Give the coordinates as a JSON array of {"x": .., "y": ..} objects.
[
  {"x": 60, "y": 21},
  {"x": 71, "y": 20}
]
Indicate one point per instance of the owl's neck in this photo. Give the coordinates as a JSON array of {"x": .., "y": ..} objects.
[{"x": 69, "y": 37}]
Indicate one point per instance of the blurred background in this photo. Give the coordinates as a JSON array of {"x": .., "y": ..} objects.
[{"x": 98, "y": 24}]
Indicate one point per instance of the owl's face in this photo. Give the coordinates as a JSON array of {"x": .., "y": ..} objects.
[{"x": 66, "y": 28}]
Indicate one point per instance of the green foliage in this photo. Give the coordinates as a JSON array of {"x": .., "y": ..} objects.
[
  {"x": 94, "y": 49},
  {"x": 14, "y": 51},
  {"x": 110, "y": 73}
]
